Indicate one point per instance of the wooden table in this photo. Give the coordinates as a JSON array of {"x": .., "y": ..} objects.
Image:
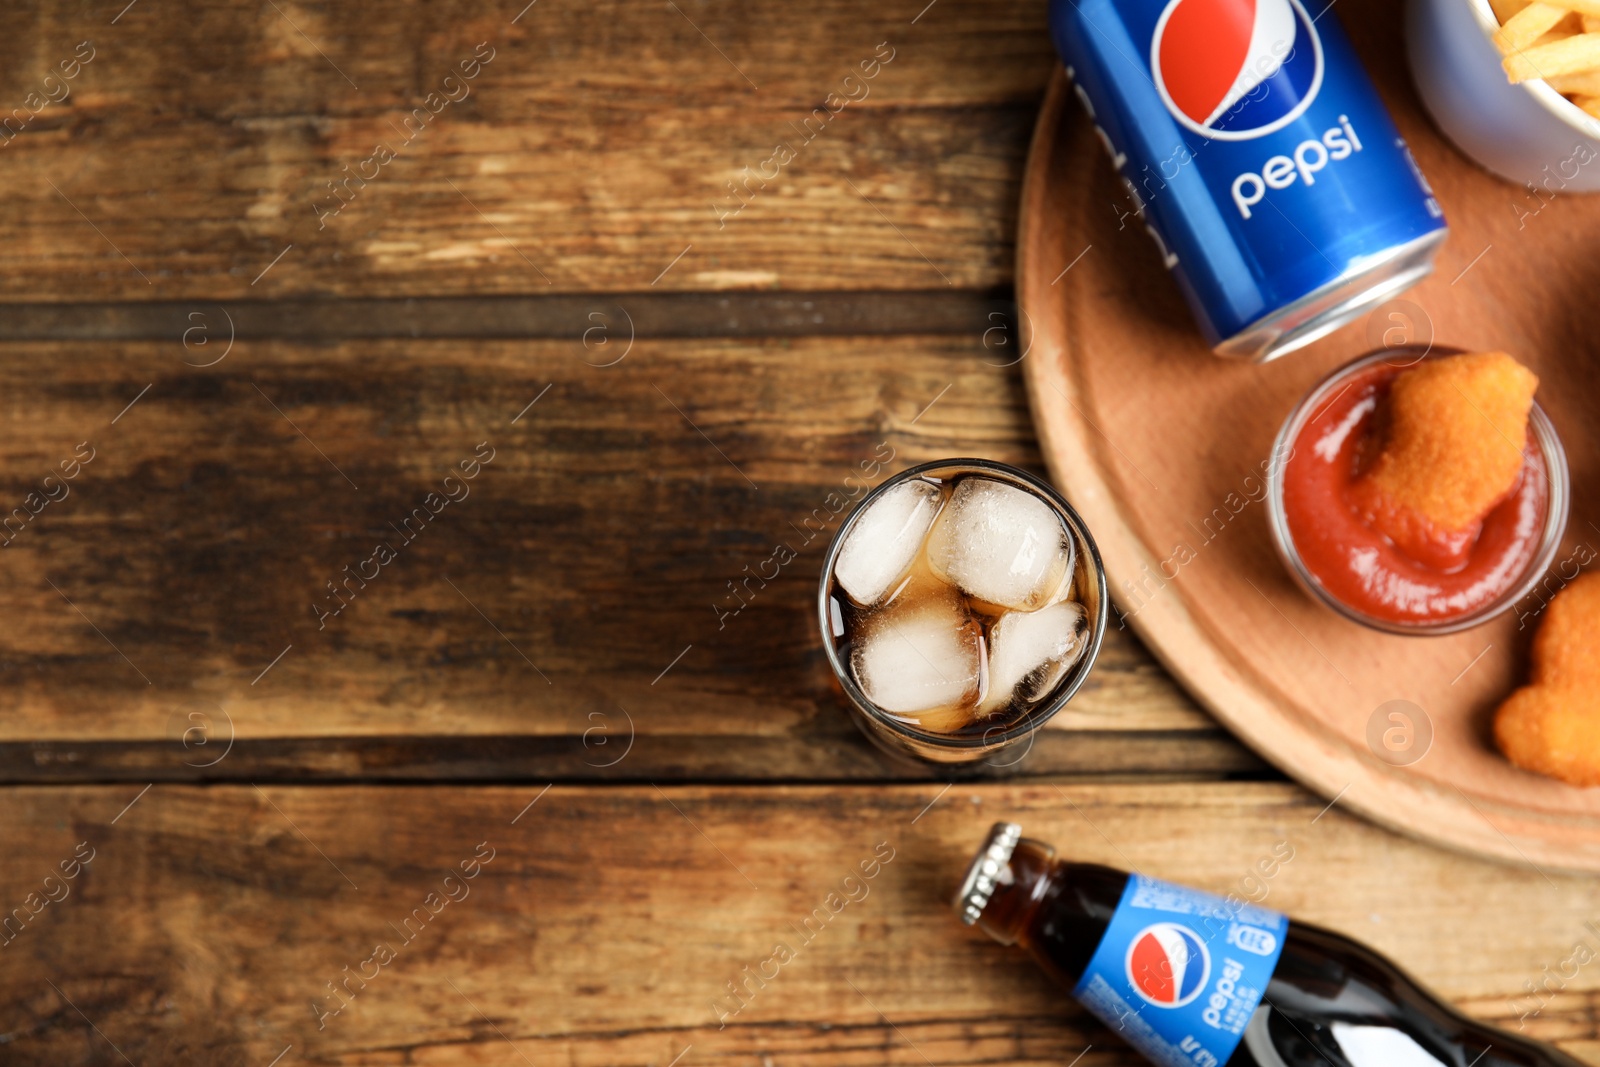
[{"x": 580, "y": 389}]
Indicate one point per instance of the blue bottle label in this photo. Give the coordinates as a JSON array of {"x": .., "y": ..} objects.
[{"x": 1180, "y": 972}]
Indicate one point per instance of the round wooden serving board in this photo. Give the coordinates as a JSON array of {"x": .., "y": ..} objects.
[{"x": 1161, "y": 445}]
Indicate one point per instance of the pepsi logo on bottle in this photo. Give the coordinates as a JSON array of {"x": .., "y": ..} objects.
[
  {"x": 1259, "y": 158},
  {"x": 1167, "y": 975},
  {"x": 1168, "y": 965}
]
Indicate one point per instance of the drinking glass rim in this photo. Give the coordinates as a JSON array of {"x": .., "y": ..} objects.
[
  {"x": 1542, "y": 433},
  {"x": 1036, "y": 718}
]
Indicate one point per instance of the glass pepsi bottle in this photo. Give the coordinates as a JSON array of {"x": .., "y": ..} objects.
[{"x": 1190, "y": 979}]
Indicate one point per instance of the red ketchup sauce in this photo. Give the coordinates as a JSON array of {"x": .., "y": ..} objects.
[{"x": 1362, "y": 568}]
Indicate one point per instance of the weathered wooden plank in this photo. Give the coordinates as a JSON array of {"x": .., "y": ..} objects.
[
  {"x": 593, "y": 579},
  {"x": 572, "y": 316},
  {"x": 288, "y": 60},
  {"x": 210, "y": 922},
  {"x": 514, "y": 222},
  {"x": 593, "y": 145}
]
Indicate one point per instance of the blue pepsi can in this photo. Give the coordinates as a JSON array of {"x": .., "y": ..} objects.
[{"x": 1259, "y": 157}]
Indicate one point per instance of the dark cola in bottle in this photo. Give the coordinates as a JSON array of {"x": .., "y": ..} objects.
[{"x": 1190, "y": 979}]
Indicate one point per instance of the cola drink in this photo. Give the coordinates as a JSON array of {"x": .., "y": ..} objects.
[
  {"x": 961, "y": 605},
  {"x": 1190, "y": 979}
]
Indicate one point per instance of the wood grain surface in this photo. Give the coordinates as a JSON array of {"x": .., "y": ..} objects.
[
  {"x": 210, "y": 921},
  {"x": 673, "y": 376},
  {"x": 593, "y": 585},
  {"x": 591, "y": 150}
]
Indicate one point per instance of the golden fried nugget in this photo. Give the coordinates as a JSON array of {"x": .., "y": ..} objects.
[
  {"x": 1566, "y": 650},
  {"x": 1453, "y": 451},
  {"x": 1553, "y": 731},
  {"x": 1552, "y": 726}
]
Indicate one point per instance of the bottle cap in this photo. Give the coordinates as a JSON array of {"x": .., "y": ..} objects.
[{"x": 983, "y": 876}]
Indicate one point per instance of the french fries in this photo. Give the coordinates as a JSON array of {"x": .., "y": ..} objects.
[
  {"x": 1504, "y": 9},
  {"x": 1527, "y": 26},
  {"x": 1570, "y": 55},
  {"x": 1555, "y": 40},
  {"x": 1580, "y": 7},
  {"x": 1585, "y": 83}
]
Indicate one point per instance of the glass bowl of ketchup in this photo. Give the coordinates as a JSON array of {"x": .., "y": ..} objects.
[{"x": 1360, "y": 573}]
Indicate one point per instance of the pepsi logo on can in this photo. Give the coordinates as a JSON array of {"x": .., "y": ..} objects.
[
  {"x": 1259, "y": 158},
  {"x": 1227, "y": 78},
  {"x": 1168, "y": 965}
]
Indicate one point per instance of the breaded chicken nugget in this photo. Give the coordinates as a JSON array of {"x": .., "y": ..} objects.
[
  {"x": 1552, "y": 726},
  {"x": 1566, "y": 650},
  {"x": 1552, "y": 731},
  {"x": 1457, "y": 429}
]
